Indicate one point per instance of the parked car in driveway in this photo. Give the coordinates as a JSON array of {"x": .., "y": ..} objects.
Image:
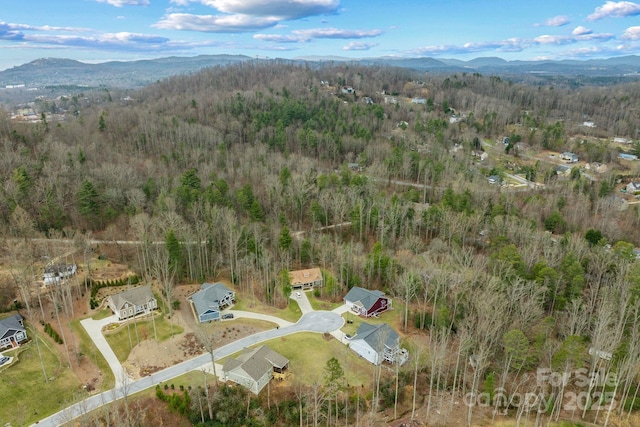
[
  {"x": 3, "y": 360},
  {"x": 227, "y": 316},
  {"x": 298, "y": 295}
]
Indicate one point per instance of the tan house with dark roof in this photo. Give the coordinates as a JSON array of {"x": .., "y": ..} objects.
[
  {"x": 254, "y": 368},
  {"x": 132, "y": 302},
  {"x": 306, "y": 279}
]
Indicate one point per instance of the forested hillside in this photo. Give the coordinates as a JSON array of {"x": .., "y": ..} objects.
[{"x": 252, "y": 169}]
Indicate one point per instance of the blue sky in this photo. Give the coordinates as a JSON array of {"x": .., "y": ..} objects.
[{"x": 102, "y": 30}]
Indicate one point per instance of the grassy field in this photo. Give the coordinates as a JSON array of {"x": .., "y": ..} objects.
[
  {"x": 88, "y": 348},
  {"x": 291, "y": 313},
  {"x": 102, "y": 314},
  {"x": 308, "y": 354},
  {"x": 24, "y": 394},
  {"x": 123, "y": 339},
  {"x": 318, "y": 304}
]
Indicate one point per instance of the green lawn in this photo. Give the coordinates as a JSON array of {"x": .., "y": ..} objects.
[
  {"x": 127, "y": 336},
  {"x": 318, "y": 304},
  {"x": 308, "y": 354},
  {"x": 102, "y": 314},
  {"x": 291, "y": 313},
  {"x": 24, "y": 394},
  {"x": 88, "y": 349}
]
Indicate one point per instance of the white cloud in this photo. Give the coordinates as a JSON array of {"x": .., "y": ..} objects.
[
  {"x": 244, "y": 15},
  {"x": 26, "y": 27},
  {"x": 278, "y": 38},
  {"x": 125, "y": 37},
  {"x": 509, "y": 45},
  {"x": 614, "y": 9},
  {"x": 580, "y": 31},
  {"x": 556, "y": 21},
  {"x": 283, "y": 9},
  {"x": 302, "y": 36},
  {"x": 602, "y": 37},
  {"x": 517, "y": 44},
  {"x": 120, "y": 3},
  {"x": 632, "y": 33},
  {"x": 335, "y": 33},
  {"x": 547, "y": 39},
  {"x": 359, "y": 46},
  {"x": 10, "y": 31},
  {"x": 215, "y": 23}
]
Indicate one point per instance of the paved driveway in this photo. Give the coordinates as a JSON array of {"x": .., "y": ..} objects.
[
  {"x": 94, "y": 329},
  {"x": 251, "y": 315},
  {"x": 302, "y": 300},
  {"x": 316, "y": 321}
]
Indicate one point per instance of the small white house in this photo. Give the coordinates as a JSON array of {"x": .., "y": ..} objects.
[
  {"x": 378, "y": 343},
  {"x": 633, "y": 187},
  {"x": 619, "y": 140},
  {"x": 58, "y": 272},
  {"x": 483, "y": 155}
]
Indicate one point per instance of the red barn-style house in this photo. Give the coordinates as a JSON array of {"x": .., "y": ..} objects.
[{"x": 367, "y": 303}]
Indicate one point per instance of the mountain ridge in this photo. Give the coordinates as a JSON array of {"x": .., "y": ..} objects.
[{"x": 127, "y": 74}]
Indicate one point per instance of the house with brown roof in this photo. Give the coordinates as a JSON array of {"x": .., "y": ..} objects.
[
  {"x": 306, "y": 279},
  {"x": 255, "y": 367},
  {"x": 132, "y": 302}
]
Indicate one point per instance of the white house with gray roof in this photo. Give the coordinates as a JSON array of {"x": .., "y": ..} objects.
[
  {"x": 12, "y": 331},
  {"x": 378, "y": 343},
  {"x": 367, "y": 302},
  {"x": 254, "y": 368},
  {"x": 132, "y": 302},
  {"x": 210, "y": 300},
  {"x": 56, "y": 273}
]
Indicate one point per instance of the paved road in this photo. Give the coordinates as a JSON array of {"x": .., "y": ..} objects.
[{"x": 316, "y": 321}]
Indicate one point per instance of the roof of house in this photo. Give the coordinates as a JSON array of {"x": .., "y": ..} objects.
[
  {"x": 256, "y": 362},
  {"x": 635, "y": 185},
  {"x": 209, "y": 296},
  {"x": 11, "y": 322},
  {"x": 377, "y": 336},
  {"x": 137, "y": 296},
  {"x": 59, "y": 268},
  {"x": 364, "y": 296},
  {"x": 305, "y": 276}
]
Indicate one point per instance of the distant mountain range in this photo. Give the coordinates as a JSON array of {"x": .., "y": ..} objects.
[{"x": 127, "y": 74}]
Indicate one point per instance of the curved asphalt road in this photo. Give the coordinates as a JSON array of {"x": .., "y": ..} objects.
[{"x": 315, "y": 321}]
